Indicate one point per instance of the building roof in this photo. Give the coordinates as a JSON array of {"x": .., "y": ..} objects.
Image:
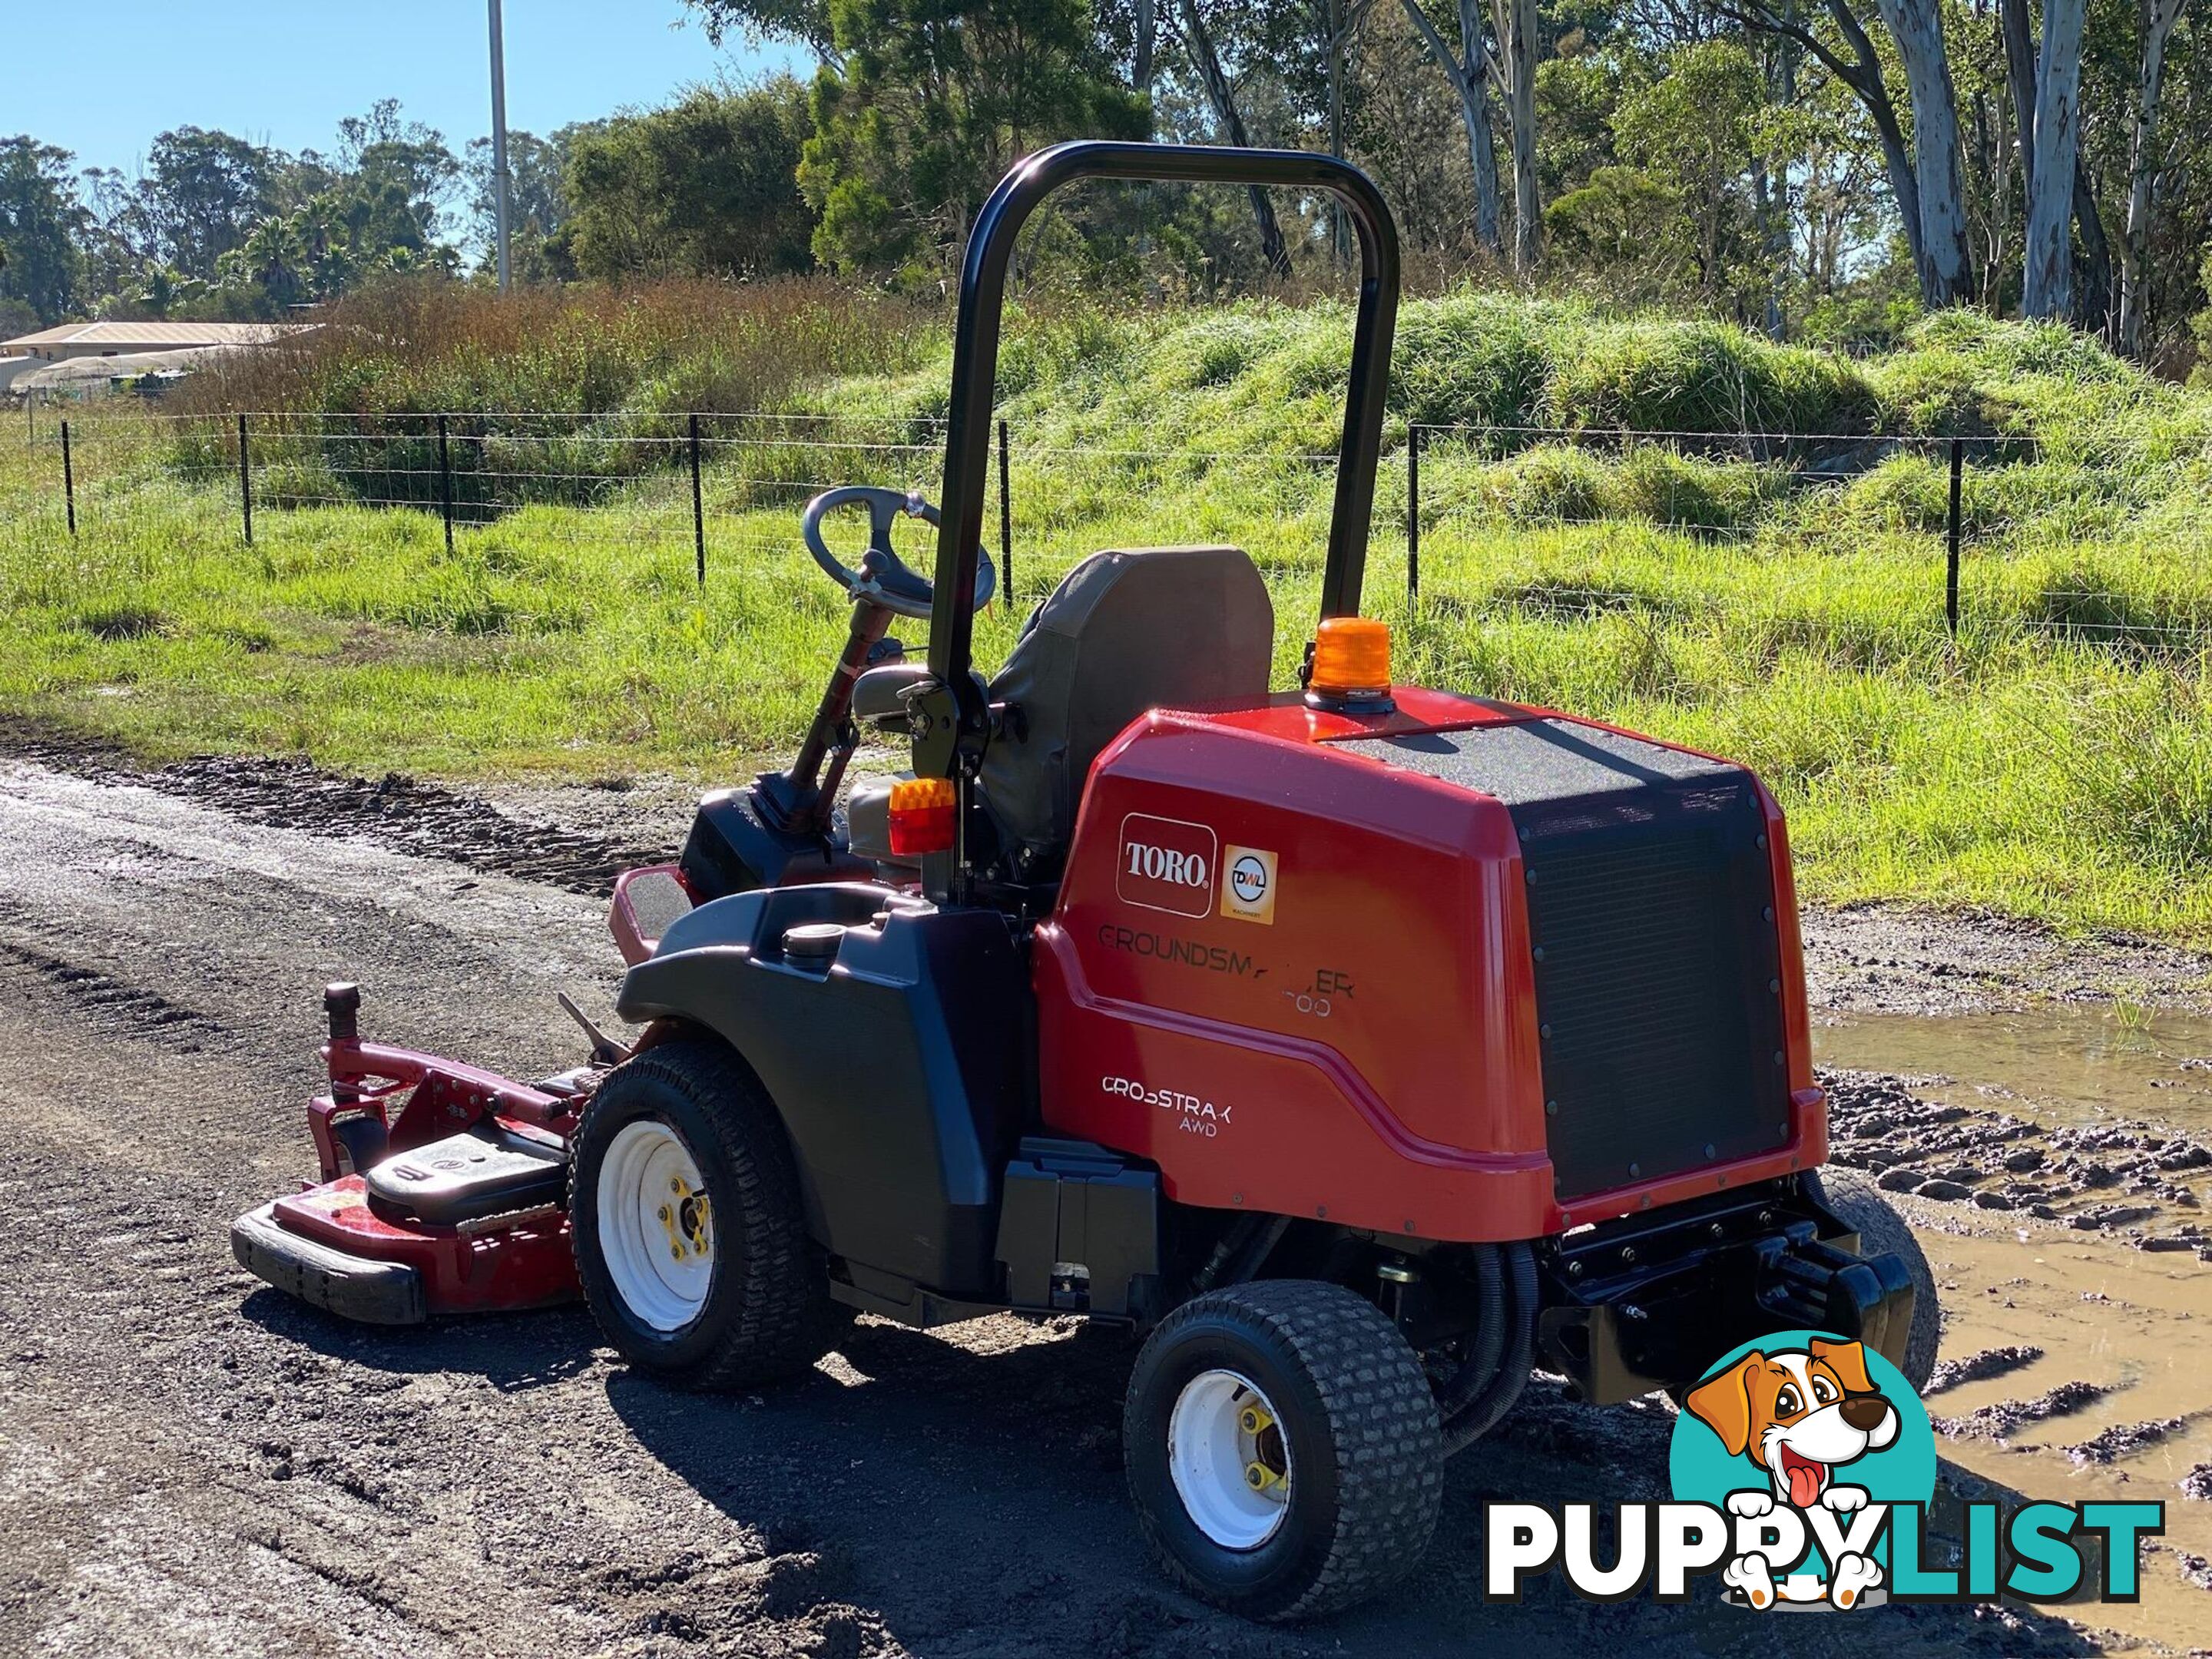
[
  {"x": 152, "y": 337},
  {"x": 77, "y": 371}
]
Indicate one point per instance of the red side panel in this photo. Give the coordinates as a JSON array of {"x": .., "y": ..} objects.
[{"x": 1331, "y": 1018}]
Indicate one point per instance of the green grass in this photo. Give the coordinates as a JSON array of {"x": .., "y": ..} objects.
[{"x": 2054, "y": 761}]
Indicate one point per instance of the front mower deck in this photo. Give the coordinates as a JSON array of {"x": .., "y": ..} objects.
[{"x": 443, "y": 1189}]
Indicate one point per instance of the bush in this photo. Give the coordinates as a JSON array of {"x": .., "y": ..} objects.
[
  {"x": 1552, "y": 484},
  {"x": 1714, "y": 497},
  {"x": 1650, "y": 375}
]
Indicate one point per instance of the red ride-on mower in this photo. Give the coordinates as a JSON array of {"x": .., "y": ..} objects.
[{"x": 1361, "y": 1046}]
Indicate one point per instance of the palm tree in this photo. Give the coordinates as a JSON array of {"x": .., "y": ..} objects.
[{"x": 275, "y": 255}]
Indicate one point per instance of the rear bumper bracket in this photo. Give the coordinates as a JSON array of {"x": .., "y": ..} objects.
[{"x": 1644, "y": 1304}]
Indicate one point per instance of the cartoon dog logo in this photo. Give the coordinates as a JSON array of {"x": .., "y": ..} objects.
[{"x": 1799, "y": 1414}]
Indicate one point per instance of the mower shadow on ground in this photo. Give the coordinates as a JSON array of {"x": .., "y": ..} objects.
[
  {"x": 515, "y": 1352},
  {"x": 946, "y": 1477},
  {"x": 972, "y": 1481}
]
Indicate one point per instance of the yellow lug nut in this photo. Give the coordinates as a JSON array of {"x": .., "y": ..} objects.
[{"x": 1253, "y": 1420}]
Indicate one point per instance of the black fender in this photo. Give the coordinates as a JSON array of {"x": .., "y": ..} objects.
[{"x": 897, "y": 1051}]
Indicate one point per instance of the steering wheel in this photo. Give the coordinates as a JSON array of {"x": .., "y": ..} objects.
[{"x": 884, "y": 577}]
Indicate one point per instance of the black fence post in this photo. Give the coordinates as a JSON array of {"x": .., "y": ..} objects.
[
  {"x": 446, "y": 482},
  {"x": 1951, "y": 572},
  {"x": 1413, "y": 516},
  {"x": 698, "y": 506},
  {"x": 245, "y": 479},
  {"x": 69, "y": 478},
  {"x": 1006, "y": 521}
]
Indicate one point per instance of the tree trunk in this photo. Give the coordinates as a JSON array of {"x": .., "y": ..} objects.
[
  {"x": 1514, "y": 23},
  {"x": 1140, "y": 70},
  {"x": 1862, "y": 72},
  {"x": 1467, "y": 69},
  {"x": 2092, "y": 309},
  {"x": 2047, "y": 278},
  {"x": 1771, "y": 191},
  {"x": 1333, "y": 20},
  {"x": 1946, "y": 273},
  {"x": 1222, "y": 97},
  {"x": 2157, "y": 18}
]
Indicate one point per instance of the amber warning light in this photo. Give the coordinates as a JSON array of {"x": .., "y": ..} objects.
[
  {"x": 922, "y": 817},
  {"x": 1351, "y": 667}
]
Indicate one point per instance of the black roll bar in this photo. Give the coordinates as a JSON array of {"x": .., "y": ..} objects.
[{"x": 975, "y": 365}]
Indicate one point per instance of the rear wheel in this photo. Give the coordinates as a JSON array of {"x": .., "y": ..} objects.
[
  {"x": 1282, "y": 1448},
  {"x": 1866, "y": 1209},
  {"x": 690, "y": 1244}
]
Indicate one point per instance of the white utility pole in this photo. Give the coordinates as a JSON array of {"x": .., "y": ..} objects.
[{"x": 499, "y": 141}]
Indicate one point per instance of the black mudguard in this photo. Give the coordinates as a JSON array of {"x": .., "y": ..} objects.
[{"x": 899, "y": 1064}]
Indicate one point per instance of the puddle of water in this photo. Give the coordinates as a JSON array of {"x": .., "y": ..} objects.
[
  {"x": 2135, "y": 1323},
  {"x": 2075, "y": 1065},
  {"x": 2139, "y": 1325}
]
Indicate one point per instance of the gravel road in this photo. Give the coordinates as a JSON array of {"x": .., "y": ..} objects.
[{"x": 189, "y": 1464}]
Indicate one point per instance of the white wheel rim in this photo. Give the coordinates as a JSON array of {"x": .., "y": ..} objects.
[
  {"x": 1229, "y": 1460},
  {"x": 656, "y": 1232}
]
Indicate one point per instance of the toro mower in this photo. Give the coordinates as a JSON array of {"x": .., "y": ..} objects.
[{"x": 1361, "y": 1048}]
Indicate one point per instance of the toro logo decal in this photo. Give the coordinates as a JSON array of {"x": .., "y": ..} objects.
[{"x": 1167, "y": 864}]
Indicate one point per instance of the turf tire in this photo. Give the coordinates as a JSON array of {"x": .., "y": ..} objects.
[
  {"x": 767, "y": 1314},
  {"x": 1360, "y": 1420}
]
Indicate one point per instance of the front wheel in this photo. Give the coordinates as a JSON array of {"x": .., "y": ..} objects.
[
  {"x": 691, "y": 1243},
  {"x": 1282, "y": 1449}
]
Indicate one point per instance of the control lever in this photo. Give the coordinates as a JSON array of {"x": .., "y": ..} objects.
[{"x": 605, "y": 1051}]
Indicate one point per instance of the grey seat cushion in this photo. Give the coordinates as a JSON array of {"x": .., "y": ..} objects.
[
  {"x": 868, "y": 818},
  {"x": 1125, "y": 632}
]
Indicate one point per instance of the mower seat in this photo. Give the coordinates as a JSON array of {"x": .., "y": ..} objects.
[
  {"x": 868, "y": 820},
  {"x": 1125, "y": 632}
]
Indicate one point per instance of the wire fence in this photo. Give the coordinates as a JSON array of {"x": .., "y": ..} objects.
[{"x": 2100, "y": 541}]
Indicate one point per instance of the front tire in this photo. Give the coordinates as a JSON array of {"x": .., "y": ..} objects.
[
  {"x": 1282, "y": 1449},
  {"x": 1866, "y": 1209},
  {"x": 691, "y": 1243}
]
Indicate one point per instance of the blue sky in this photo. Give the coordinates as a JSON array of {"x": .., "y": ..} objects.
[{"x": 283, "y": 71}]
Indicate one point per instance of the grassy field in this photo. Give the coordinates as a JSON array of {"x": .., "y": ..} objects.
[{"x": 2055, "y": 761}]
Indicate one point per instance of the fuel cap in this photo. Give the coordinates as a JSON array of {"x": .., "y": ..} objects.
[{"x": 813, "y": 944}]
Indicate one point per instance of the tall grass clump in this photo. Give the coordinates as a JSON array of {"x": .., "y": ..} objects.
[
  {"x": 556, "y": 394},
  {"x": 2132, "y": 761}
]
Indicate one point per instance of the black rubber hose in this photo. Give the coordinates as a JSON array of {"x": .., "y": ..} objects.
[
  {"x": 1489, "y": 1407},
  {"x": 1473, "y": 1376},
  {"x": 1253, "y": 1256},
  {"x": 1237, "y": 1233}
]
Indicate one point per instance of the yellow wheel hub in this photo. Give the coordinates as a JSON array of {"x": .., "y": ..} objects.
[{"x": 685, "y": 1218}]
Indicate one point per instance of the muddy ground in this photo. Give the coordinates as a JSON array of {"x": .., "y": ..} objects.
[{"x": 191, "y": 1464}]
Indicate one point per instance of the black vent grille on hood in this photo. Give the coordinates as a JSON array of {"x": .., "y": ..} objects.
[{"x": 1651, "y": 919}]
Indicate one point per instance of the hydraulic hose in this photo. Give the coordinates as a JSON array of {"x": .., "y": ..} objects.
[
  {"x": 1253, "y": 1256},
  {"x": 1504, "y": 1387},
  {"x": 1242, "y": 1251},
  {"x": 1237, "y": 1233},
  {"x": 1481, "y": 1362}
]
